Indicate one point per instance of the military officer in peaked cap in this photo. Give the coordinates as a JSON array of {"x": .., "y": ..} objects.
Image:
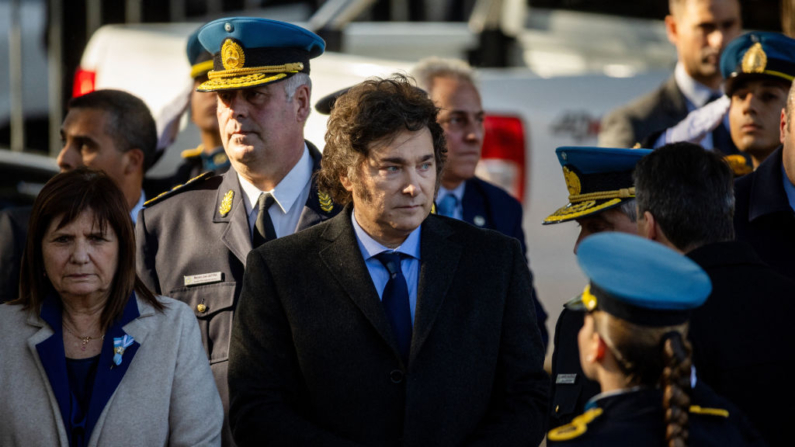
[
  {"x": 209, "y": 155},
  {"x": 633, "y": 343},
  {"x": 601, "y": 199},
  {"x": 193, "y": 241}
]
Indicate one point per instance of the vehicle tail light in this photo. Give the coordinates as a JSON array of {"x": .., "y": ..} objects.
[
  {"x": 85, "y": 82},
  {"x": 503, "y": 158}
]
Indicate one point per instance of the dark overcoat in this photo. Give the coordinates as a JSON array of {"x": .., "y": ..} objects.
[
  {"x": 763, "y": 216},
  {"x": 488, "y": 206},
  {"x": 314, "y": 362},
  {"x": 742, "y": 338}
]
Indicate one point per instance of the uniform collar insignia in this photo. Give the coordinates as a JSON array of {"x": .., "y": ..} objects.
[{"x": 226, "y": 203}]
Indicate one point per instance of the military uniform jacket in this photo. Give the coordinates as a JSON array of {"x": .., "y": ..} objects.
[
  {"x": 763, "y": 216},
  {"x": 488, "y": 206},
  {"x": 742, "y": 338},
  {"x": 185, "y": 235},
  {"x": 570, "y": 389},
  {"x": 313, "y": 360},
  {"x": 636, "y": 418}
]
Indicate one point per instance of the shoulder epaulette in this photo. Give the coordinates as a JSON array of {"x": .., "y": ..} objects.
[
  {"x": 576, "y": 427},
  {"x": 178, "y": 188},
  {"x": 709, "y": 411},
  {"x": 190, "y": 153}
]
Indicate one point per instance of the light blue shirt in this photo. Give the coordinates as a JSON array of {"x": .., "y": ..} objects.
[
  {"x": 458, "y": 193},
  {"x": 789, "y": 188},
  {"x": 410, "y": 264},
  {"x": 137, "y": 208}
]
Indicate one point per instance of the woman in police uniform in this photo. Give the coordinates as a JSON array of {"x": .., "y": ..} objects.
[{"x": 633, "y": 342}]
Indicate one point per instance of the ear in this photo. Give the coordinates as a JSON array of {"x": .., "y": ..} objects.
[
  {"x": 346, "y": 183},
  {"x": 782, "y": 126},
  {"x": 670, "y": 29},
  {"x": 302, "y": 102},
  {"x": 650, "y": 229},
  {"x": 133, "y": 161},
  {"x": 597, "y": 348}
]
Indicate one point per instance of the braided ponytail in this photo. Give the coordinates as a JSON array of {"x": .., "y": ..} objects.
[{"x": 675, "y": 382}]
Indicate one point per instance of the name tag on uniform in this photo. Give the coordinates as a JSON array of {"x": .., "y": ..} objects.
[
  {"x": 204, "y": 278},
  {"x": 566, "y": 379}
]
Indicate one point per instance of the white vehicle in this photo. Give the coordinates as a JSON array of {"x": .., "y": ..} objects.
[{"x": 531, "y": 111}]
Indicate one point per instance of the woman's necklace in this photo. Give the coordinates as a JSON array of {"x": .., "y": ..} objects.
[{"x": 84, "y": 339}]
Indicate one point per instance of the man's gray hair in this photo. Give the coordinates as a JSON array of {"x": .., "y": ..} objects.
[
  {"x": 431, "y": 68},
  {"x": 292, "y": 83},
  {"x": 629, "y": 209}
]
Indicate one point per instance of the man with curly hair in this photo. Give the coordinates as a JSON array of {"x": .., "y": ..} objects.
[{"x": 387, "y": 325}]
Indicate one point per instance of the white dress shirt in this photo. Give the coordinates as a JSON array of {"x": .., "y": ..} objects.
[{"x": 290, "y": 195}]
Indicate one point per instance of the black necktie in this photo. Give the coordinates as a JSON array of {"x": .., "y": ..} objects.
[
  {"x": 396, "y": 302},
  {"x": 263, "y": 228}
]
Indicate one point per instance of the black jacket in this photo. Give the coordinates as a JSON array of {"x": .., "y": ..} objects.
[
  {"x": 743, "y": 345},
  {"x": 763, "y": 216},
  {"x": 313, "y": 360}
]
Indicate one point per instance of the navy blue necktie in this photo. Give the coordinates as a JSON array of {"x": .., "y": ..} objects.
[{"x": 396, "y": 302}]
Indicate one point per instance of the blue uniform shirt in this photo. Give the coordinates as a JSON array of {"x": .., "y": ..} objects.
[{"x": 410, "y": 264}]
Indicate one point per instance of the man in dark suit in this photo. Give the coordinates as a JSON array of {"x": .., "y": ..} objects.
[
  {"x": 607, "y": 175},
  {"x": 699, "y": 29},
  {"x": 109, "y": 130},
  {"x": 740, "y": 336},
  {"x": 387, "y": 326},
  {"x": 193, "y": 241},
  {"x": 451, "y": 85}
]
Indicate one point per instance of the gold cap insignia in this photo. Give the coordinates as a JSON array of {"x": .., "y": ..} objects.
[
  {"x": 572, "y": 181},
  {"x": 755, "y": 59},
  {"x": 325, "y": 201},
  {"x": 226, "y": 203},
  {"x": 232, "y": 55}
]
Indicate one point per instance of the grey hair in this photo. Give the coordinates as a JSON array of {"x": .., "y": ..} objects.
[
  {"x": 292, "y": 83},
  {"x": 431, "y": 68},
  {"x": 629, "y": 209}
]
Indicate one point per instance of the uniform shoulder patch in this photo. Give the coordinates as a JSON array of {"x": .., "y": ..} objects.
[
  {"x": 720, "y": 412},
  {"x": 576, "y": 427},
  {"x": 179, "y": 188},
  {"x": 190, "y": 153}
]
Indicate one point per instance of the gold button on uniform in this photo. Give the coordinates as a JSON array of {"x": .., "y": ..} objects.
[{"x": 201, "y": 308}]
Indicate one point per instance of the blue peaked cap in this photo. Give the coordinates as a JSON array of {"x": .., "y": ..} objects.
[
  {"x": 758, "y": 54},
  {"x": 250, "y": 52},
  {"x": 260, "y": 33},
  {"x": 595, "y": 170},
  {"x": 597, "y": 160},
  {"x": 642, "y": 281}
]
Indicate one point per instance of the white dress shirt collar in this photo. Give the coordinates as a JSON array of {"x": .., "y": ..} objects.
[
  {"x": 287, "y": 192},
  {"x": 696, "y": 93}
]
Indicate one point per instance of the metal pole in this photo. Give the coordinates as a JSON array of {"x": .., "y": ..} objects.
[
  {"x": 177, "y": 8},
  {"x": 132, "y": 11},
  {"x": 15, "y": 68},
  {"x": 93, "y": 16},
  {"x": 55, "y": 64}
]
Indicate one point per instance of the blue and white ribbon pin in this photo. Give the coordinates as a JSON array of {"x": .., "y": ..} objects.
[{"x": 119, "y": 345}]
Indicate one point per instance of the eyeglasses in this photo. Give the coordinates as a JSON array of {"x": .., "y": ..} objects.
[{"x": 456, "y": 121}]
